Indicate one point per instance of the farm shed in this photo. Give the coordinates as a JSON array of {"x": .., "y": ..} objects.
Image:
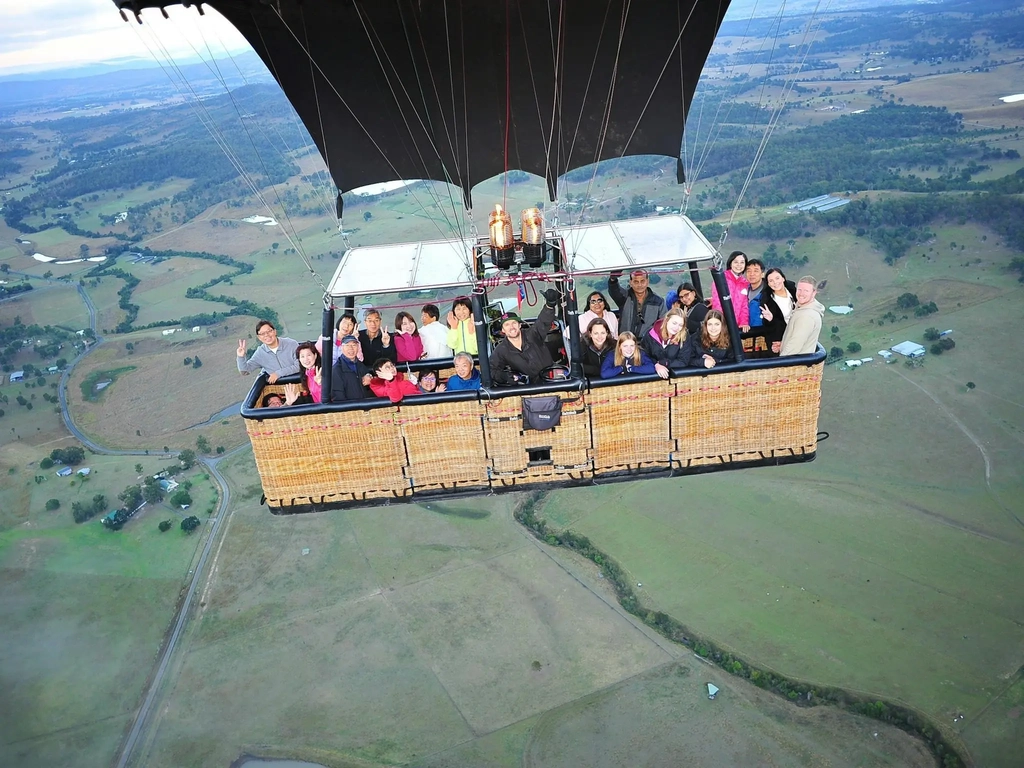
[{"x": 909, "y": 349}]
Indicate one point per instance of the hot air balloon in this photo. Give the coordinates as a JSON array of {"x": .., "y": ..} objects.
[{"x": 459, "y": 91}]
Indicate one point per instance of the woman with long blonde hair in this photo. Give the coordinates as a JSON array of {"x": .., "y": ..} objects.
[
  {"x": 664, "y": 342},
  {"x": 628, "y": 358}
]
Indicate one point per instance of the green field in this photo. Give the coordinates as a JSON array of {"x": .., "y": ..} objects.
[
  {"x": 887, "y": 565},
  {"x": 112, "y": 202},
  {"x": 445, "y": 636},
  {"x": 161, "y": 292},
  {"x": 105, "y": 299},
  {"x": 83, "y": 611},
  {"x": 48, "y": 303}
]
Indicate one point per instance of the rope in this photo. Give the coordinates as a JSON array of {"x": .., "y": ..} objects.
[
  {"x": 773, "y": 121},
  {"x": 211, "y": 127},
  {"x": 297, "y": 246},
  {"x": 351, "y": 112},
  {"x": 374, "y": 40},
  {"x": 508, "y": 100}
]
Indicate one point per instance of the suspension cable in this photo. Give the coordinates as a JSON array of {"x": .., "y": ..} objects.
[
  {"x": 774, "y": 118},
  {"x": 349, "y": 109},
  {"x": 378, "y": 48},
  {"x": 295, "y": 241}
]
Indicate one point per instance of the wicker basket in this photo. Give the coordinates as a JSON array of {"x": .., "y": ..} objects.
[{"x": 697, "y": 422}]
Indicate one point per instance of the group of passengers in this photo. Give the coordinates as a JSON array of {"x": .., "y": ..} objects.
[
  {"x": 650, "y": 336},
  {"x": 774, "y": 316}
]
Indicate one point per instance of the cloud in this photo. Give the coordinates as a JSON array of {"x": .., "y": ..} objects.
[
  {"x": 48, "y": 19},
  {"x": 47, "y": 34}
]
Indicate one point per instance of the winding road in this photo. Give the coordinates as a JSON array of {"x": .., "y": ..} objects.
[{"x": 134, "y": 737}]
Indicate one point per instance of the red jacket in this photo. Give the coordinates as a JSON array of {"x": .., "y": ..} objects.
[{"x": 395, "y": 389}]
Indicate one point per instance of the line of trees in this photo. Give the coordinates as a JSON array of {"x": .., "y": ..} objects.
[{"x": 798, "y": 692}]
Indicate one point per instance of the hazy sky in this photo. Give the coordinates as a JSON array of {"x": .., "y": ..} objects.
[{"x": 47, "y": 34}]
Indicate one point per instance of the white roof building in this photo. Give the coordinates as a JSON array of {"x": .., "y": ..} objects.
[
  {"x": 884, "y": 353},
  {"x": 909, "y": 349}
]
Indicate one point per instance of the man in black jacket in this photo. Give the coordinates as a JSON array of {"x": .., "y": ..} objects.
[
  {"x": 350, "y": 376},
  {"x": 641, "y": 307},
  {"x": 376, "y": 343},
  {"x": 524, "y": 353}
]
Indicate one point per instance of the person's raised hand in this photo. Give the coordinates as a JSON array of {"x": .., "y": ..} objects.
[
  {"x": 615, "y": 274},
  {"x": 241, "y": 348},
  {"x": 766, "y": 313},
  {"x": 291, "y": 393},
  {"x": 551, "y": 296},
  {"x": 385, "y": 337},
  {"x": 316, "y": 373},
  {"x": 453, "y": 321}
]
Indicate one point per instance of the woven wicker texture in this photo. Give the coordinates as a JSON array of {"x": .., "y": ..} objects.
[
  {"x": 313, "y": 456},
  {"x": 631, "y": 425},
  {"x": 444, "y": 443},
  {"x": 508, "y": 444},
  {"x": 397, "y": 452},
  {"x": 745, "y": 415}
]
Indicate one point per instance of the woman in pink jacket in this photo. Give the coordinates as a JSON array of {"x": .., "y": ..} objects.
[
  {"x": 310, "y": 364},
  {"x": 738, "y": 289},
  {"x": 407, "y": 338}
]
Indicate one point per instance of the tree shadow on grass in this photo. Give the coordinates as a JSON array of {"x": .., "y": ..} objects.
[{"x": 450, "y": 511}]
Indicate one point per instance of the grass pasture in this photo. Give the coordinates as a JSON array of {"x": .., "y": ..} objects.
[
  {"x": 47, "y": 304},
  {"x": 160, "y": 401},
  {"x": 105, "y": 299},
  {"x": 199, "y": 234},
  {"x": 59, "y": 244},
  {"x": 974, "y": 94},
  {"x": 443, "y": 635},
  {"x": 82, "y": 616},
  {"x": 161, "y": 292},
  {"x": 888, "y": 566},
  {"x": 111, "y": 202}
]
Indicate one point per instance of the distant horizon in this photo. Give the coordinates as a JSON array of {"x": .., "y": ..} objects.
[{"x": 119, "y": 64}]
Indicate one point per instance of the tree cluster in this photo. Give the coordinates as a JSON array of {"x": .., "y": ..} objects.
[
  {"x": 81, "y": 512},
  {"x": 72, "y": 456}
]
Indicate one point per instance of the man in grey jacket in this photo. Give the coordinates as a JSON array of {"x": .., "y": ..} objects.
[
  {"x": 276, "y": 355},
  {"x": 801, "y": 335},
  {"x": 641, "y": 307}
]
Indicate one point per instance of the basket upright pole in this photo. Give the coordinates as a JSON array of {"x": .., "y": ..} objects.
[
  {"x": 481, "y": 339},
  {"x": 730, "y": 314},
  {"x": 327, "y": 353},
  {"x": 575, "y": 354}
]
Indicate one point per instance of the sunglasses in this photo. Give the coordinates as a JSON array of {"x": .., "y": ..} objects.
[{"x": 597, "y": 301}]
